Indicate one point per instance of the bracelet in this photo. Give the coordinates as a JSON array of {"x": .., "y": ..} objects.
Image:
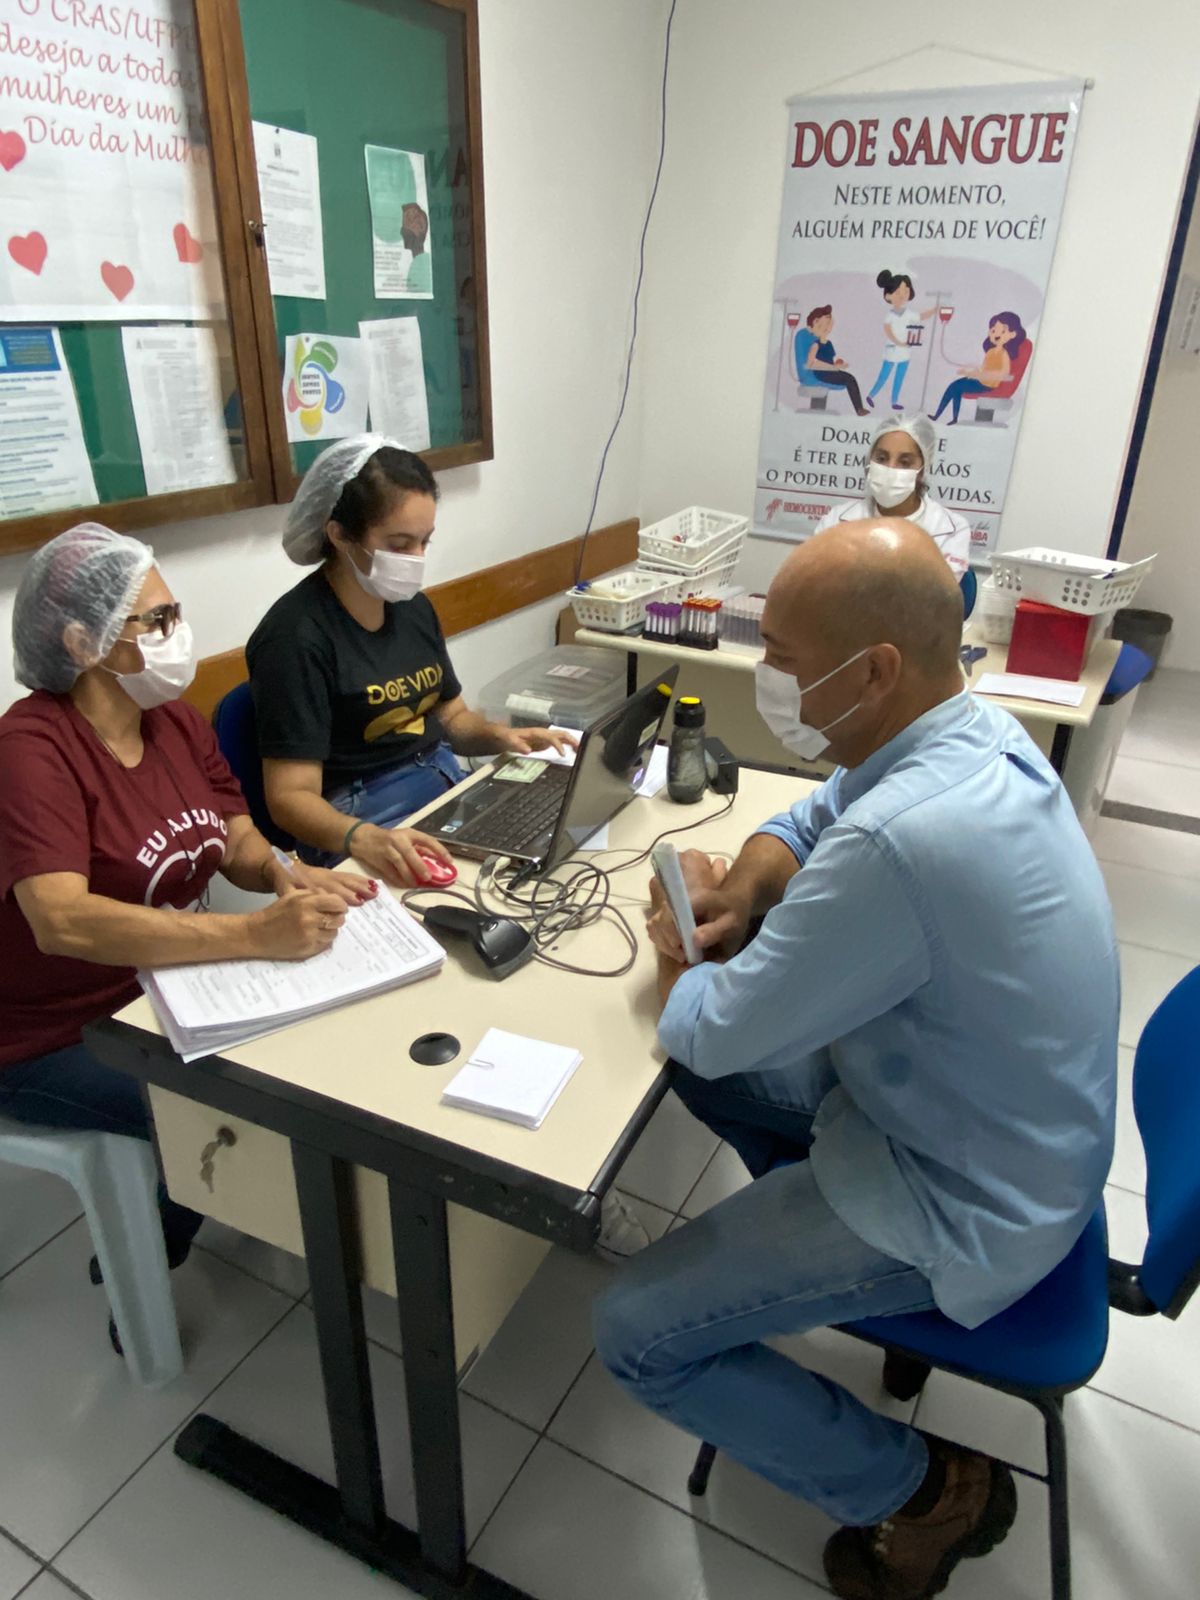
[{"x": 350, "y": 832}]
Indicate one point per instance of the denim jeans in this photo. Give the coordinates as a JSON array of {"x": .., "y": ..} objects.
[
  {"x": 682, "y": 1327},
  {"x": 70, "y": 1088},
  {"x": 899, "y": 371},
  {"x": 389, "y": 797}
]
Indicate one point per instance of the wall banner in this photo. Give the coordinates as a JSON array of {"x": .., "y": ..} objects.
[{"x": 915, "y": 246}]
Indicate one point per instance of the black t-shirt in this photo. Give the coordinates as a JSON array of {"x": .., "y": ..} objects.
[{"x": 327, "y": 689}]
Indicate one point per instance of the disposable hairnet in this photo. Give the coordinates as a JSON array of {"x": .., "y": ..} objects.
[
  {"x": 919, "y": 429},
  {"x": 321, "y": 489},
  {"x": 78, "y": 588}
]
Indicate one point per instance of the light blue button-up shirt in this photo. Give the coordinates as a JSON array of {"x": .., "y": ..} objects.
[{"x": 941, "y": 978}]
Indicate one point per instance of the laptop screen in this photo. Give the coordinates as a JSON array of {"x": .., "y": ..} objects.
[{"x": 615, "y": 751}]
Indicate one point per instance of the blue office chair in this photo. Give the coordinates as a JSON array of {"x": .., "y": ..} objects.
[
  {"x": 237, "y": 734},
  {"x": 1053, "y": 1340},
  {"x": 969, "y": 585}
]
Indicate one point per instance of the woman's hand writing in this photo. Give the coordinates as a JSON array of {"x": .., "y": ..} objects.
[{"x": 298, "y": 925}]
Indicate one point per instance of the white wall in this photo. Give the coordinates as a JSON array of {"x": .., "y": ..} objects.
[
  {"x": 1163, "y": 520},
  {"x": 569, "y": 120},
  {"x": 713, "y": 241}
]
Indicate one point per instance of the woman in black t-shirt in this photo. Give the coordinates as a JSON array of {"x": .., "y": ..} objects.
[{"x": 359, "y": 713}]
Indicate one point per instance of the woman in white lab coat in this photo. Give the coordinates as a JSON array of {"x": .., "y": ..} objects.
[{"x": 899, "y": 459}]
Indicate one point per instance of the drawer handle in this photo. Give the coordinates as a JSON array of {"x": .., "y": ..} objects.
[{"x": 225, "y": 1136}]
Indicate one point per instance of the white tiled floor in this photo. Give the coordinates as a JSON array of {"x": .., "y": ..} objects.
[{"x": 573, "y": 1492}]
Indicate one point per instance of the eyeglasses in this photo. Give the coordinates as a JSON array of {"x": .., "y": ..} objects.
[{"x": 164, "y": 618}]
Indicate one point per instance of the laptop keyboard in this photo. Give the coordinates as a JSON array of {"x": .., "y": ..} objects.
[{"x": 519, "y": 820}]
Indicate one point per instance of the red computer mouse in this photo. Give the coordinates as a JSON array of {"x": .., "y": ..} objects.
[{"x": 440, "y": 872}]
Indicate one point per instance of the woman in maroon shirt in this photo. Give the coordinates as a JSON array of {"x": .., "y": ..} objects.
[{"x": 116, "y": 810}]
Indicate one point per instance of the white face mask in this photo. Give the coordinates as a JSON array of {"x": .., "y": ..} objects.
[
  {"x": 390, "y": 576},
  {"x": 891, "y": 486},
  {"x": 778, "y": 698},
  {"x": 170, "y": 666}
]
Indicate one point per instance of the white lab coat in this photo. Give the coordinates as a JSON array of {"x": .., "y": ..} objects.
[
  {"x": 949, "y": 530},
  {"x": 897, "y": 324}
]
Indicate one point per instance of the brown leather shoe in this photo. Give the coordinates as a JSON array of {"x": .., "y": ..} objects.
[{"x": 910, "y": 1558}]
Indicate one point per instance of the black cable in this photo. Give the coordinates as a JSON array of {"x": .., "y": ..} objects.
[
  {"x": 668, "y": 833},
  {"x": 637, "y": 291},
  {"x": 554, "y": 905}
]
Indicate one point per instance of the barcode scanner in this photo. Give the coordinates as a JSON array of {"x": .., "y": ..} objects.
[{"x": 503, "y": 945}]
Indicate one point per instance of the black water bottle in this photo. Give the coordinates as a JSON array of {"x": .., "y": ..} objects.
[{"x": 687, "y": 776}]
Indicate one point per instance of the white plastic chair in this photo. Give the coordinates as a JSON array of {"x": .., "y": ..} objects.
[{"x": 116, "y": 1180}]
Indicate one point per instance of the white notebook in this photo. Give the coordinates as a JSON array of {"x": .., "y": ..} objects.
[
  {"x": 214, "y": 1005},
  {"x": 512, "y": 1077}
]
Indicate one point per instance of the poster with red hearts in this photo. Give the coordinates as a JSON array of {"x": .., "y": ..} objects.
[{"x": 106, "y": 210}]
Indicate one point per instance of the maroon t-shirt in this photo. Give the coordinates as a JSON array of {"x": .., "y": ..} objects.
[{"x": 153, "y": 836}]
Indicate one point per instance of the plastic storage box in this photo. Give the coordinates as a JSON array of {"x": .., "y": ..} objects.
[{"x": 570, "y": 685}]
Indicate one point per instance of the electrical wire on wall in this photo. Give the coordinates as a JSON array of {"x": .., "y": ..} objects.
[{"x": 637, "y": 291}]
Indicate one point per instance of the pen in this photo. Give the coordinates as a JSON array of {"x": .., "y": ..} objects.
[{"x": 285, "y": 861}]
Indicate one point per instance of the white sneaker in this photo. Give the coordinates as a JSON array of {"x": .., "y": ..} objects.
[{"x": 621, "y": 1232}]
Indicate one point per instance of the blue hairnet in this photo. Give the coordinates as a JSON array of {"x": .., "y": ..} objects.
[
  {"x": 72, "y": 601},
  {"x": 321, "y": 489}
]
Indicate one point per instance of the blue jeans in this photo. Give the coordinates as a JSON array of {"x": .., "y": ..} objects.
[
  {"x": 389, "y": 797},
  {"x": 958, "y": 391},
  {"x": 70, "y": 1088},
  {"x": 682, "y": 1326},
  {"x": 899, "y": 375}
]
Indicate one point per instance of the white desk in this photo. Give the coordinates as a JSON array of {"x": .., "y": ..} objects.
[
  {"x": 723, "y": 678},
  {"x": 342, "y": 1149}
]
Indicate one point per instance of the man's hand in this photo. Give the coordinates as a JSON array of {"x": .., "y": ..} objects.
[
  {"x": 669, "y": 973},
  {"x": 722, "y": 917}
]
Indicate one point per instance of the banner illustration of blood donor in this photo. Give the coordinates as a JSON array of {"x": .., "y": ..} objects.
[
  {"x": 106, "y": 209},
  {"x": 915, "y": 245}
]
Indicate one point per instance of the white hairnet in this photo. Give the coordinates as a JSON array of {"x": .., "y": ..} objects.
[
  {"x": 80, "y": 586},
  {"x": 321, "y": 489},
  {"x": 920, "y": 429}
]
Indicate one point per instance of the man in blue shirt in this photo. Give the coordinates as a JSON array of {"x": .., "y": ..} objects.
[{"x": 915, "y": 1057}]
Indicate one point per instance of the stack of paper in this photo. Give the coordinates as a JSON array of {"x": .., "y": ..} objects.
[
  {"x": 514, "y": 1078},
  {"x": 214, "y": 1005}
]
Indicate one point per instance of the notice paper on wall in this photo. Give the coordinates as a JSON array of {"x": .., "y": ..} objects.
[
  {"x": 400, "y": 240},
  {"x": 44, "y": 463},
  {"x": 290, "y": 190},
  {"x": 398, "y": 402},
  {"x": 324, "y": 386},
  {"x": 106, "y": 208},
  {"x": 175, "y": 385}
]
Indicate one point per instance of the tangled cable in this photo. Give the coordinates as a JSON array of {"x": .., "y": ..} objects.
[{"x": 572, "y": 896}]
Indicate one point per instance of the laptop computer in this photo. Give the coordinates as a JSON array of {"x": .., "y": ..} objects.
[{"x": 543, "y": 818}]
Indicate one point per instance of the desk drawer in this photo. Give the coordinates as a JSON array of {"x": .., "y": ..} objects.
[{"x": 242, "y": 1175}]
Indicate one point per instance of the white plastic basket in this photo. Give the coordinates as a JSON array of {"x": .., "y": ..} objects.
[
  {"x": 693, "y": 537},
  {"x": 1071, "y": 582},
  {"x": 700, "y": 580},
  {"x": 617, "y": 603}
]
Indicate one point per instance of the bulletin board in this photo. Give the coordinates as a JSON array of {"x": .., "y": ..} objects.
[
  {"x": 392, "y": 74},
  {"x": 143, "y": 373}
]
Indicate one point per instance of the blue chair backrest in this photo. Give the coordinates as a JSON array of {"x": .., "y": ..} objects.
[
  {"x": 237, "y": 734},
  {"x": 969, "y": 584},
  {"x": 1166, "y": 1102}
]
